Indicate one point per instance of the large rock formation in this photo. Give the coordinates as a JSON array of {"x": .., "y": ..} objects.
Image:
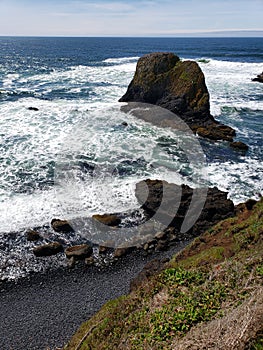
[
  {"x": 175, "y": 208},
  {"x": 163, "y": 79},
  {"x": 164, "y": 197}
]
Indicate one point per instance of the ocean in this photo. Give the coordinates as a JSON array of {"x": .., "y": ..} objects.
[{"x": 59, "y": 109}]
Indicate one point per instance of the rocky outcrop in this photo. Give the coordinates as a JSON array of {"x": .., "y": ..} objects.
[
  {"x": 216, "y": 206},
  {"x": 259, "y": 78},
  {"x": 175, "y": 208},
  {"x": 163, "y": 79}
]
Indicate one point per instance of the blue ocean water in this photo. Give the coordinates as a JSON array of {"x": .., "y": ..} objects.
[{"x": 74, "y": 84}]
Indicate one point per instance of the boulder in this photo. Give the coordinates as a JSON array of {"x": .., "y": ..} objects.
[
  {"x": 259, "y": 78},
  {"x": 61, "y": 226},
  {"x": 163, "y": 79},
  {"x": 107, "y": 219},
  {"x": 48, "y": 249},
  {"x": 32, "y": 235},
  {"x": 79, "y": 252}
]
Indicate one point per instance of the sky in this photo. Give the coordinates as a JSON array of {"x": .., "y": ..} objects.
[{"x": 131, "y": 18}]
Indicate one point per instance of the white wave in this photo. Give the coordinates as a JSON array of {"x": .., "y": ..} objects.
[
  {"x": 121, "y": 60},
  {"x": 230, "y": 84},
  {"x": 242, "y": 180}
]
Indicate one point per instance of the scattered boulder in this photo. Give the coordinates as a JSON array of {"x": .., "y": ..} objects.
[
  {"x": 239, "y": 145},
  {"x": 48, "y": 249},
  {"x": 164, "y": 80},
  {"x": 61, "y": 226},
  {"x": 259, "y": 78},
  {"x": 119, "y": 252},
  {"x": 79, "y": 252},
  {"x": 107, "y": 219},
  {"x": 32, "y": 235}
]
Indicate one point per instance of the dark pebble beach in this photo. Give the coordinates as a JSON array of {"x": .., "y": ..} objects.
[{"x": 43, "y": 311}]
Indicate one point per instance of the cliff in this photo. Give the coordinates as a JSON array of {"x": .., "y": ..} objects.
[{"x": 207, "y": 296}]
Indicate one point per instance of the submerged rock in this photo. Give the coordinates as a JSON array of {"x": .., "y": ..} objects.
[
  {"x": 163, "y": 79},
  {"x": 48, "y": 249},
  {"x": 239, "y": 145}
]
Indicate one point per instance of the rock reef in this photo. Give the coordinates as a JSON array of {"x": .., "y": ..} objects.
[{"x": 163, "y": 79}]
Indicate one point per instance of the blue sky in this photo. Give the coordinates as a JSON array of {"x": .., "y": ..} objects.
[{"x": 131, "y": 17}]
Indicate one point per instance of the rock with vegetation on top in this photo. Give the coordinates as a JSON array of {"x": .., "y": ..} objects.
[{"x": 163, "y": 79}]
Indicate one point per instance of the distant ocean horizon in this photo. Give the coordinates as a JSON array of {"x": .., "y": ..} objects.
[{"x": 50, "y": 86}]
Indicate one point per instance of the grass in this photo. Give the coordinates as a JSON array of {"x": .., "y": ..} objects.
[{"x": 210, "y": 295}]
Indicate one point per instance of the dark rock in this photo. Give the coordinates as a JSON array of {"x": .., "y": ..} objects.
[
  {"x": 259, "y": 78},
  {"x": 250, "y": 204},
  {"x": 48, "y": 249},
  {"x": 119, "y": 252},
  {"x": 33, "y": 109},
  {"x": 150, "y": 195},
  {"x": 217, "y": 132},
  {"x": 89, "y": 261},
  {"x": 239, "y": 145},
  {"x": 107, "y": 219},
  {"x": 32, "y": 235},
  {"x": 61, "y": 226},
  {"x": 162, "y": 245},
  {"x": 162, "y": 79},
  {"x": 79, "y": 252}
]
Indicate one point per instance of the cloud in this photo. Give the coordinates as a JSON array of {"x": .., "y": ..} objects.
[{"x": 113, "y": 6}]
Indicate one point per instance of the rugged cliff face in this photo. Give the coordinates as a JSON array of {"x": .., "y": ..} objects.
[
  {"x": 208, "y": 295},
  {"x": 163, "y": 79}
]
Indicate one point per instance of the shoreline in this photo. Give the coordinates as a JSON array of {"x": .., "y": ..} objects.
[{"x": 43, "y": 311}]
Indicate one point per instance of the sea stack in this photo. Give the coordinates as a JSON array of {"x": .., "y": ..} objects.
[{"x": 164, "y": 80}]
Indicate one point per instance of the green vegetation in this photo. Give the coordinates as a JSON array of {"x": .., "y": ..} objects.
[{"x": 209, "y": 293}]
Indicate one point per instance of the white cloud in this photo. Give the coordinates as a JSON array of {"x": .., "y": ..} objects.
[{"x": 113, "y": 6}]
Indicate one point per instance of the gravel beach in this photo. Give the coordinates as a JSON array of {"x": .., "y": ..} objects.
[{"x": 43, "y": 311}]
